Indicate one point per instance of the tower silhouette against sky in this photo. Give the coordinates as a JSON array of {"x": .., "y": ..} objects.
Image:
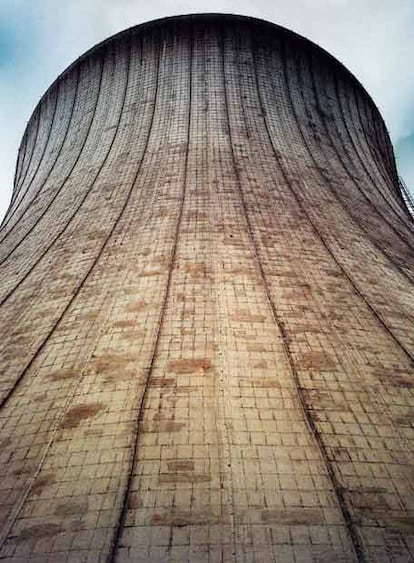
[{"x": 206, "y": 309}]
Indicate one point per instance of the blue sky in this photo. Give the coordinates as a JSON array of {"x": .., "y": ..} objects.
[{"x": 39, "y": 38}]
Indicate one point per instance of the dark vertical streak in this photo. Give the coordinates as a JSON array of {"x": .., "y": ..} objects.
[
  {"x": 401, "y": 218},
  {"x": 286, "y": 347},
  {"x": 7, "y": 397},
  {"x": 21, "y": 180},
  {"x": 56, "y": 194},
  {"x": 71, "y": 218},
  {"x": 42, "y": 155},
  {"x": 340, "y": 266},
  {"x": 64, "y": 137},
  {"x": 341, "y": 161},
  {"x": 140, "y": 409}
]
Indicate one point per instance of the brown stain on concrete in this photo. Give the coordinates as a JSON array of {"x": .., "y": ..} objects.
[
  {"x": 247, "y": 317},
  {"x": 397, "y": 379},
  {"x": 39, "y": 531},
  {"x": 113, "y": 365},
  {"x": 70, "y": 508},
  {"x": 184, "y": 478},
  {"x": 370, "y": 500},
  {"x": 190, "y": 365},
  {"x": 256, "y": 347},
  {"x": 180, "y": 465},
  {"x": 125, "y": 323},
  {"x": 150, "y": 273},
  {"x": 136, "y": 306},
  {"x": 406, "y": 420},
  {"x": 316, "y": 360},
  {"x": 162, "y": 382},
  {"x": 293, "y": 517},
  {"x": 182, "y": 518},
  {"x": 41, "y": 483},
  {"x": 61, "y": 375},
  {"x": 196, "y": 269},
  {"x": 162, "y": 426},
  {"x": 5, "y": 442},
  {"x": 261, "y": 364},
  {"x": 77, "y": 414}
]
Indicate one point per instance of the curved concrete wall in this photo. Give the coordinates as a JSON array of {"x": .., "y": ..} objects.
[{"x": 206, "y": 309}]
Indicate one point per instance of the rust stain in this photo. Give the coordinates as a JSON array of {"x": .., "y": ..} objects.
[
  {"x": 180, "y": 465},
  {"x": 316, "y": 360},
  {"x": 247, "y": 317},
  {"x": 239, "y": 271},
  {"x": 41, "y": 483},
  {"x": 256, "y": 347},
  {"x": 89, "y": 316},
  {"x": 71, "y": 507},
  {"x": 368, "y": 500},
  {"x": 39, "y": 531},
  {"x": 292, "y": 517},
  {"x": 123, "y": 323},
  {"x": 405, "y": 420},
  {"x": 75, "y": 415},
  {"x": 162, "y": 426},
  {"x": 111, "y": 362},
  {"x": 136, "y": 306},
  {"x": 185, "y": 389},
  {"x": 196, "y": 268},
  {"x": 149, "y": 273},
  {"x": 61, "y": 375},
  {"x": 261, "y": 364},
  {"x": 190, "y": 365},
  {"x": 187, "y": 518},
  {"x": 184, "y": 478},
  {"x": 162, "y": 382},
  {"x": 5, "y": 442},
  {"x": 402, "y": 379}
]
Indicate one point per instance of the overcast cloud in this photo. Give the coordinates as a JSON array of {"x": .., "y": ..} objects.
[{"x": 38, "y": 39}]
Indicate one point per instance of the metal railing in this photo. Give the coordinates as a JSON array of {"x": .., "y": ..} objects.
[{"x": 407, "y": 196}]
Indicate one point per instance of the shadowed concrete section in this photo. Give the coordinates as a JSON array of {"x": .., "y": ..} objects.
[{"x": 206, "y": 322}]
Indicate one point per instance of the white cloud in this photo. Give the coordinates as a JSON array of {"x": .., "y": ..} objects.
[{"x": 373, "y": 38}]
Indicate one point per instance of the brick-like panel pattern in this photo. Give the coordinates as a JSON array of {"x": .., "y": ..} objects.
[{"x": 206, "y": 309}]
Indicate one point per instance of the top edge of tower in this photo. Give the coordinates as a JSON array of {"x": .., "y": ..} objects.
[{"x": 223, "y": 17}]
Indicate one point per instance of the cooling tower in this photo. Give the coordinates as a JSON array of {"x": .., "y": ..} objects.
[{"x": 207, "y": 309}]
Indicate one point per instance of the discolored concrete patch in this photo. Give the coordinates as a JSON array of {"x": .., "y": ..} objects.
[
  {"x": 136, "y": 306},
  {"x": 181, "y": 465},
  {"x": 70, "y": 508},
  {"x": 41, "y": 483},
  {"x": 293, "y": 517},
  {"x": 162, "y": 426},
  {"x": 125, "y": 323},
  {"x": 316, "y": 360},
  {"x": 184, "y": 478},
  {"x": 39, "y": 531},
  {"x": 247, "y": 317},
  {"x": 187, "y": 518},
  {"x": 190, "y": 365},
  {"x": 61, "y": 375},
  {"x": 162, "y": 382},
  {"x": 75, "y": 415}
]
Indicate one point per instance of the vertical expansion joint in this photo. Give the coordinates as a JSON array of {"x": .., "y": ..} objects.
[
  {"x": 111, "y": 558},
  {"x": 352, "y": 530}
]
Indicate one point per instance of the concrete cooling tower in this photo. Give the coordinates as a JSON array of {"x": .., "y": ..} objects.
[{"x": 207, "y": 309}]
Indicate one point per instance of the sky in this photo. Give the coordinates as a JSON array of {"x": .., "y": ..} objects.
[{"x": 40, "y": 38}]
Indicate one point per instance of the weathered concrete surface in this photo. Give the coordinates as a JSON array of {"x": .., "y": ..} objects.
[{"x": 207, "y": 309}]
